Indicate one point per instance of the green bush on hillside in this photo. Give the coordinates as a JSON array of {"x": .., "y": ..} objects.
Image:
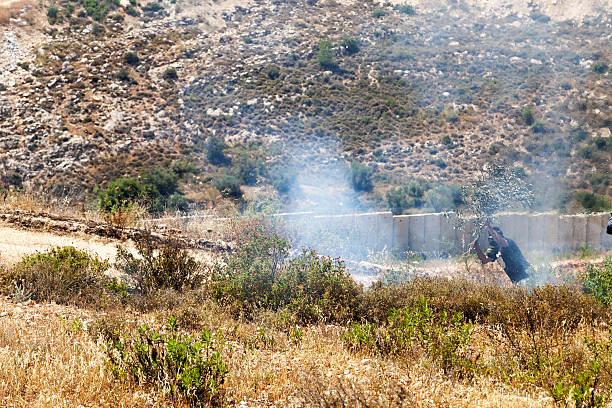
[
  {"x": 360, "y": 177},
  {"x": 597, "y": 281},
  {"x": 325, "y": 56}
]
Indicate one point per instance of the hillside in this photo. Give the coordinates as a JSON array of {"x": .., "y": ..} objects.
[{"x": 433, "y": 91}]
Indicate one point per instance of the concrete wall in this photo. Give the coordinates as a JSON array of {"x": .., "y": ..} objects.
[{"x": 436, "y": 233}]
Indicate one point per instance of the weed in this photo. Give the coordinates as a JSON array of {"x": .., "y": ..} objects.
[{"x": 597, "y": 281}]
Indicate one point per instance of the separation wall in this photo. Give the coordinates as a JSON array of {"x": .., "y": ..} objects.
[{"x": 436, "y": 233}]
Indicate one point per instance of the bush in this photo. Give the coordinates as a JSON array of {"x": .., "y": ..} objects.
[
  {"x": 166, "y": 265},
  {"x": 349, "y": 46},
  {"x": 214, "y": 151},
  {"x": 282, "y": 179},
  {"x": 538, "y": 127},
  {"x": 247, "y": 171},
  {"x": 325, "y": 56},
  {"x": 52, "y": 14},
  {"x": 98, "y": 9},
  {"x": 444, "y": 197},
  {"x": 599, "y": 67},
  {"x": 185, "y": 366},
  {"x": 597, "y": 281},
  {"x": 446, "y": 140},
  {"x": 273, "y": 72},
  {"x": 360, "y": 177},
  {"x": 398, "y": 200},
  {"x": 120, "y": 193},
  {"x": 170, "y": 74},
  {"x": 377, "y": 13},
  {"x": 443, "y": 337},
  {"x": 527, "y": 114},
  {"x": 131, "y": 58},
  {"x": 123, "y": 74},
  {"x": 228, "y": 186},
  {"x": 152, "y": 7},
  {"x": 408, "y": 10},
  {"x": 260, "y": 276},
  {"x": 592, "y": 202},
  {"x": 64, "y": 275}
]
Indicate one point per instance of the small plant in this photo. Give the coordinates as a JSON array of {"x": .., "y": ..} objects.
[
  {"x": 408, "y": 10},
  {"x": 170, "y": 74},
  {"x": 52, "y": 14},
  {"x": 152, "y": 7},
  {"x": 597, "y": 281},
  {"x": 349, "y": 46},
  {"x": 131, "y": 58},
  {"x": 228, "y": 186},
  {"x": 166, "y": 265},
  {"x": 527, "y": 115},
  {"x": 121, "y": 193},
  {"x": 377, "y": 13},
  {"x": 599, "y": 67},
  {"x": 190, "y": 367},
  {"x": 215, "y": 154},
  {"x": 64, "y": 274},
  {"x": 123, "y": 75},
  {"x": 446, "y": 140},
  {"x": 325, "y": 55},
  {"x": 360, "y": 177},
  {"x": 538, "y": 127},
  {"x": 273, "y": 72}
]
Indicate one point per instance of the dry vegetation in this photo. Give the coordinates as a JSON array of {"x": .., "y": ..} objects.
[{"x": 293, "y": 332}]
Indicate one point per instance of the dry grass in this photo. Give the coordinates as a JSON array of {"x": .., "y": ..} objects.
[
  {"x": 11, "y": 8},
  {"x": 46, "y": 361}
]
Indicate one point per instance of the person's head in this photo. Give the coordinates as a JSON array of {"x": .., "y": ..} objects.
[{"x": 498, "y": 230}]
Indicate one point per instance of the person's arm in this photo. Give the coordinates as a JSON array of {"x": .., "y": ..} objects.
[
  {"x": 481, "y": 256},
  {"x": 501, "y": 241}
]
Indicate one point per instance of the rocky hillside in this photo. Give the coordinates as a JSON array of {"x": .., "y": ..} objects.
[{"x": 96, "y": 90}]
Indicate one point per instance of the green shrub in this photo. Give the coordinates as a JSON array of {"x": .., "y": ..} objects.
[
  {"x": 247, "y": 170},
  {"x": 282, "y": 179},
  {"x": 446, "y": 140},
  {"x": 131, "y": 58},
  {"x": 407, "y": 9},
  {"x": 377, "y": 13},
  {"x": 597, "y": 281},
  {"x": 123, "y": 74},
  {"x": 152, "y": 7},
  {"x": 527, "y": 114},
  {"x": 273, "y": 72},
  {"x": 185, "y": 366},
  {"x": 349, "y": 46},
  {"x": 260, "y": 276},
  {"x": 52, "y": 14},
  {"x": 130, "y": 10},
  {"x": 98, "y": 9},
  {"x": 165, "y": 265},
  {"x": 599, "y": 67},
  {"x": 445, "y": 338},
  {"x": 586, "y": 152},
  {"x": 170, "y": 74},
  {"x": 325, "y": 55},
  {"x": 399, "y": 200},
  {"x": 215, "y": 147},
  {"x": 592, "y": 202},
  {"x": 360, "y": 177},
  {"x": 444, "y": 197},
  {"x": 228, "y": 186},
  {"x": 120, "y": 193},
  {"x": 64, "y": 275}
]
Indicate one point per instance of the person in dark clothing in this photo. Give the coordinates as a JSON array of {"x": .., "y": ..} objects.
[{"x": 514, "y": 262}]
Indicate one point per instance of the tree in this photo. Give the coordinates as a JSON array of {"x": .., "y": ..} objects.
[{"x": 361, "y": 177}]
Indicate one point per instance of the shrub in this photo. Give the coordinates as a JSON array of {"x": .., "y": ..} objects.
[
  {"x": 444, "y": 197},
  {"x": 586, "y": 152},
  {"x": 52, "y": 14},
  {"x": 446, "y": 140},
  {"x": 349, "y": 46},
  {"x": 592, "y": 202},
  {"x": 260, "y": 276},
  {"x": 443, "y": 337},
  {"x": 228, "y": 186},
  {"x": 538, "y": 127},
  {"x": 408, "y": 10},
  {"x": 283, "y": 179},
  {"x": 273, "y": 72},
  {"x": 98, "y": 9},
  {"x": 377, "y": 13},
  {"x": 130, "y": 10},
  {"x": 599, "y": 67},
  {"x": 360, "y": 177},
  {"x": 325, "y": 56},
  {"x": 64, "y": 275},
  {"x": 398, "y": 200},
  {"x": 214, "y": 151},
  {"x": 597, "y": 281},
  {"x": 131, "y": 58},
  {"x": 123, "y": 74},
  {"x": 170, "y": 74},
  {"x": 152, "y": 7},
  {"x": 166, "y": 265},
  {"x": 120, "y": 193},
  {"x": 247, "y": 170},
  {"x": 185, "y": 366},
  {"x": 527, "y": 114}
]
